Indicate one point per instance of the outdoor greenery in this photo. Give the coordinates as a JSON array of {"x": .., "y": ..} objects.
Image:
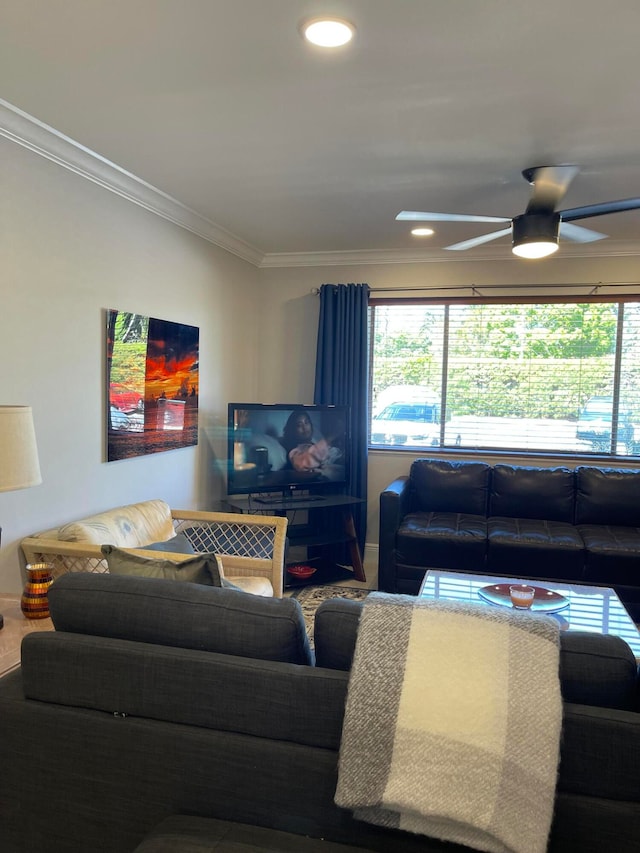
[{"x": 508, "y": 360}]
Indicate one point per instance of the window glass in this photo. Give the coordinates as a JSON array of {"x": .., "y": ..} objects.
[{"x": 558, "y": 377}]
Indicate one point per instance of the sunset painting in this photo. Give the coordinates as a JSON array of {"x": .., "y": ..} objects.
[{"x": 152, "y": 385}]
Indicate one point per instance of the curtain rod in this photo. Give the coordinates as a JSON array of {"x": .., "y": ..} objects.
[{"x": 475, "y": 288}]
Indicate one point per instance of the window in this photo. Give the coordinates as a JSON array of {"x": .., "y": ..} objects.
[{"x": 557, "y": 377}]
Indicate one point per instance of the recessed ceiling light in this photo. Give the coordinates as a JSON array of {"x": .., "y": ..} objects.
[
  {"x": 422, "y": 232},
  {"x": 328, "y": 32}
]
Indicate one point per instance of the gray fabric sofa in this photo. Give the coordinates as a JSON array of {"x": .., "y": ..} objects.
[
  {"x": 547, "y": 523},
  {"x": 158, "y": 706}
]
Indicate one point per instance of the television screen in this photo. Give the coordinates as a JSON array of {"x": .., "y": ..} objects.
[{"x": 282, "y": 447}]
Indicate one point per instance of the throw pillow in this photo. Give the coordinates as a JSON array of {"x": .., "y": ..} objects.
[
  {"x": 178, "y": 545},
  {"x": 202, "y": 568}
]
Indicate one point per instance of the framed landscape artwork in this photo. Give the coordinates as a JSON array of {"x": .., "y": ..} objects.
[{"x": 152, "y": 385}]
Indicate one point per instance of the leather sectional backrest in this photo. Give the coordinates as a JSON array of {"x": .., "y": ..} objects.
[
  {"x": 542, "y": 493},
  {"x": 608, "y": 496},
  {"x": 459, "y": 487}
]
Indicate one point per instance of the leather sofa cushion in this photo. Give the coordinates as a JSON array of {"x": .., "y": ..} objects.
[
  {"x": 442, "y": 539},
  {"x": 534, "y": 548},
  {"x": 543, "y": 493},
  {"x": 454, "y": 487},
  {"x": 530, "y": 531},
  {"x": 613, "y": 553},
  {"x": 607, "y": 496},
  {"x": 187, "y": 615}
]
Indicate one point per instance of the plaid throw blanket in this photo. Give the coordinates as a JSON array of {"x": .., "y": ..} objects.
[{"x": 452, "y": 724}]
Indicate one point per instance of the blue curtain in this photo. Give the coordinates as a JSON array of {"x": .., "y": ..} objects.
[{"x": 342, "y": 376}]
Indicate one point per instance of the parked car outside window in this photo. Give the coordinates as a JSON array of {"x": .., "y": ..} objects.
[
  {"x": 594, "y": 426},
  {"x": 407, "y": 423}
]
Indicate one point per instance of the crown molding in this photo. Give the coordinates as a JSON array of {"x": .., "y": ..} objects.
[
  {"x": 46, "y": 141},
  {"x": 614, "y": 249}
]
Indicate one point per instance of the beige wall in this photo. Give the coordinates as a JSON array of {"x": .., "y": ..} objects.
[{"x": 70, "y": 249}]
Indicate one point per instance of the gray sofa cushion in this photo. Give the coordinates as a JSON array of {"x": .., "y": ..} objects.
[
  {"x": 188, "y": 834},
  {"x": 594, "y": 669},
  {"x": 335, "y": 628},
  {"x": 267, "y": 699},
  {"x": 186, "y": 615}
]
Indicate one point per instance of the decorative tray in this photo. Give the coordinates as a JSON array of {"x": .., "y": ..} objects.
[
  {"x": 544, "y": 599},
  {"x": 301, "y": 572}
]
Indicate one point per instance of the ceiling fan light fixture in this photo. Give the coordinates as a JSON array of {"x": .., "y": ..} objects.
[
  {"x": 533, "y": 251},
  {"x": 328, "y": 32},
  {"x": 422, "y": 232},
  {"x": 535, "y": 235}
]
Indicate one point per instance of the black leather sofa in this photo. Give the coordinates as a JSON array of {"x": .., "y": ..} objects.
[
  {"x": 173, "y": 712},
  {"x": 543, "y": 523}
]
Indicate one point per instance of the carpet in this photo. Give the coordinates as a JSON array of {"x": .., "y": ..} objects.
[{"x": 311, "y": 597}]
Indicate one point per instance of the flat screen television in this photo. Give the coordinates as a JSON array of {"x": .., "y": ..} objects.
[{"x": 287, "y": 448}]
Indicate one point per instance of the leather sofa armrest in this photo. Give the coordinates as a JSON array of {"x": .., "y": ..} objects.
[{"x": 395, "y": 502}]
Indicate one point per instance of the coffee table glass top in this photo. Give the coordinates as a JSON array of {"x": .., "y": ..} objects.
[{"x": 589, "y": 608}]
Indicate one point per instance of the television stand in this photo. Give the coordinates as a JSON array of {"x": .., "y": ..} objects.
[
  {"x": 285, "y": 500},
  {"x": 328, "y": 528}
]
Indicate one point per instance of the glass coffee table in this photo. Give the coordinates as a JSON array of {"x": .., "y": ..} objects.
[{"x": 576, "y": 607}]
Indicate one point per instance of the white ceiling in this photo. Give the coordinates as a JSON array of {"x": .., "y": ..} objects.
[{"x": 437, "y": 105}]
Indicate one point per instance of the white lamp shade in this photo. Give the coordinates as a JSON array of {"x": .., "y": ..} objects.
[{"x": 19, "y": 464}]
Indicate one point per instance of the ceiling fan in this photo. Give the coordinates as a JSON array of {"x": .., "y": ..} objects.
[{"x": 535, "y": 232}]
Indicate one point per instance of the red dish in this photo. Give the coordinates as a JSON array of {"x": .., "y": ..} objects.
[{"x": 301, "y": 572}]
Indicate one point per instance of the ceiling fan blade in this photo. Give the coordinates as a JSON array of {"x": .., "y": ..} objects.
[
  {"x": 478, "y": 241},
  {"x": 550, "y": 184},
  {"x": 578, "y": 234},
  {"x": 418, "y": 216},
  {"x": 600, "y": 209}
]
